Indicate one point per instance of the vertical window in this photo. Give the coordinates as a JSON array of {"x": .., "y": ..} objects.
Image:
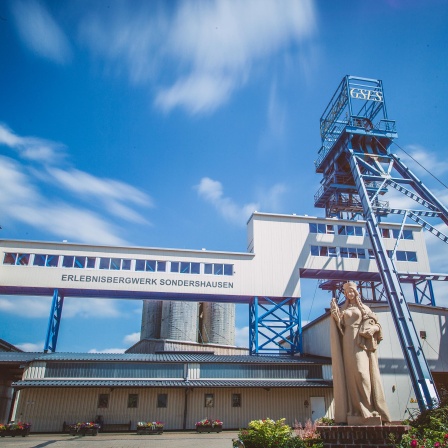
[
  {"x": 9, "y": 258},
  {"x": 175, "y": 266},
  {"x": 67, "y": 261},
  {"x": 162, "y": 400},
  {"x": 332, "y": 252},
  {"x": 126, "y": 265},
  {"x": 209, "y": 400},
  {"x": 90, "y": 262},
  {"x": 23, "y": 259},
  {"x": 103, "y": 400},
  {"x": 139, "y": 265},
  {"x": 80, "y": 262},
  {"x": 104, "y": 263},
  {"x": 386, "y": 233},
  {"x": 371, "y": 254},
  {"x": 115, "y": 264},
  {"x": 406, "y": 234},
  {"x": 236, "y": 400},
  {"x": 132, "y": 400},
  {"x": 151, "y": 265}
]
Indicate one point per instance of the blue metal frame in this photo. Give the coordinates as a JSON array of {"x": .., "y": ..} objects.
[
  {"x": 275, "y": 326},
  {"x": 54, "y": 321},
  {"x": 358, "y": 169}
]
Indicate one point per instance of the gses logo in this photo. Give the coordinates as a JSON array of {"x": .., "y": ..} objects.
[{"x": 364, "y": 94}]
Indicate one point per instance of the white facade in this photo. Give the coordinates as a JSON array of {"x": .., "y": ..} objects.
[{"x": 280, "y": 250}]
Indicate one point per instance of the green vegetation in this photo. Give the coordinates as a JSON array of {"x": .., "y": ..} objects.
[{"x": 268, "y": 433}]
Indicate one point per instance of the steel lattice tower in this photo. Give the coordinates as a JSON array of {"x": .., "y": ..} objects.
[{"x": 358, "y": 171}]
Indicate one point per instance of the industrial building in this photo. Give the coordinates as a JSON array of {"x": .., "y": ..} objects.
[{"x": 189, "y": 295}]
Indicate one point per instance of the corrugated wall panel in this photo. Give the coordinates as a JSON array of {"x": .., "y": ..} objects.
[
  {"x": 179, "y": 321},
  {"x": 47, "y": 409},
  {"x": 151, "y": 319}
]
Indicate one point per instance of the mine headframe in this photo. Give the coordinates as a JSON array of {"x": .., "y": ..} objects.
[{"x": 358, "y": 171}]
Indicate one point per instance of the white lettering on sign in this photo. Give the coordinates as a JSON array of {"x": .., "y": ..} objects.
[{"x": 368, "y": 95}]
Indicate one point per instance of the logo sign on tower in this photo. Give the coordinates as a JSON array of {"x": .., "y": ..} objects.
[{"x": 365, "y": 94}]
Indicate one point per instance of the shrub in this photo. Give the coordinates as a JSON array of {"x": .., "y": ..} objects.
[
  {"x": 429, "y": 429},
  {"x": 268, "y": 433},
  {"x": 265, "y": 433}
]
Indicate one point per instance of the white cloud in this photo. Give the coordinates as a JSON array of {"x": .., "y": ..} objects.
[
  {"x": 431, "y": 162},
  {"x": 36, "y": 307},
  {"x": 107, "y": 350},
  {"x": 40, "y": 32},
  {"x": 31, "y": 346},
  {"x": 23, "y": 198},
  {"x": 91, "y": 308},
  {"x": 109, "y": 191},
  {"x": 131, "y": 339},
  {"x": 213, "y": 45},
  {"x": 32, "y": 148},
  {"x": 242, "y": 337},
  {"x": 211, "y": 191}
]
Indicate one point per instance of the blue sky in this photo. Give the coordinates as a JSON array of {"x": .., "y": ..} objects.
[{"x": 166, "y": 124}]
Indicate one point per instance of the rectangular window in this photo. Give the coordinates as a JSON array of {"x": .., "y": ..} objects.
[
  {"x": 175, "y": 265},
  {"x": 218, "y": 269},
  {"x": 406, "y": 234},
  {"x": 80, "y": 262},
  {"x": 321, "y": 228},
  {"x": 46, "y": 260},
  {"x": 104, "y": 263},
  {"x": 371, "y": 254},
  {"x": 67, "y": 261},
  {"x": 115, "y": 264},
  {"x": 23, "y": 259},
  {"x": 332, "y": 252},
  {"x": 132, "y": 400},
  {"x": 323, "y": 251},
  {"x": 386, "y": 233},
  {"x": 236, "y": 400},
  {"x": 103, "y": 400},
  {"x": 361, "y": 253},
  {"x": 126, "y": 265},
  {"x": 209, "y": 400},
  {"x": 90, "y": 264},
  {"x": 344, "y": 252},
  {"x": 162, "y": 400},
  {"x": 350, "y": 230},
  {"x": 10, "y": 258}
]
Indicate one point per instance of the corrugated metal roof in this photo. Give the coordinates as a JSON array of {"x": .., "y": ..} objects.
[
  {"x": 171, "y": 383},
  {"x": 6, "y": 357}
]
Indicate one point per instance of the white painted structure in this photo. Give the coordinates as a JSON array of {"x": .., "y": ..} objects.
[{"x": 280, "y": 250}]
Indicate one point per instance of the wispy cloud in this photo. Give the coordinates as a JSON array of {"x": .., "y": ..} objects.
[
  {"x": 242, "y": 337},
  {"x": 131, "y": 339},
  {"x": 212, "y": 192},
  {"x": 36, "y": 307},
  {"x": 107, "y": 350},
  {"x": 213, "y": 45},
  {"x": 24, "y": 199},
  {"x": 32, "y": 148},
  {"x": 40, "y": 32},
  {"x": 425, "y": 162},
  {"x": 31, "y": 346},
  {"x": 39, "y": 307}
]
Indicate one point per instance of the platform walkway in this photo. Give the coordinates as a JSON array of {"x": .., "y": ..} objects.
[{"x": 187, "y": 439}]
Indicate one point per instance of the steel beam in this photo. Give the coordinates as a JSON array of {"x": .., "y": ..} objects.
[{"x": 54, "y": 321}]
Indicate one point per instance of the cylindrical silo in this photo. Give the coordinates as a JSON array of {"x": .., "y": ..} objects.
[
  {"x": 179, "y": 321},
  {"x": 218, "y": 323},
  {"x": 151, "y": 319}
]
